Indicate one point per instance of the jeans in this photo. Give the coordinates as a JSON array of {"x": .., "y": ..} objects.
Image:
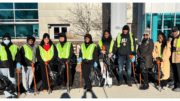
[
  {"x": 121, "y": 61},
  {"x": 5, "y": 72}
]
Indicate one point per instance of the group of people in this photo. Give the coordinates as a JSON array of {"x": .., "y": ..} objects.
[{"x": 90, "y": 55}]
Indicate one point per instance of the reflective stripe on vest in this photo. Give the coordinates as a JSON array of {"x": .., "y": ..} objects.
[
  {"x": 178, "y": 44},
  {"x": 13, "y": 49},
  {"x": 87, "y": 53},
  {"x": 28, "y": 52},
  {"x": 44, "y": 53},
  {"x": 111, "y": 45},
  {"x": 119, "y": 41},
  {"x": 65, "y": 51}
]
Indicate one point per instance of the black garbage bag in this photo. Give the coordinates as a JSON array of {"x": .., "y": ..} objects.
[
  {"x": 155, "y": 71},
  {"x": 96, "y": 77},
  {"x": 141, "y": 61},
  {"x": 109, "y": 64},
  {"x": 6, "y": 85}
]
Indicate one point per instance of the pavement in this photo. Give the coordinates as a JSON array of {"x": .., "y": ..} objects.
[{"x": 123, "y": 91}]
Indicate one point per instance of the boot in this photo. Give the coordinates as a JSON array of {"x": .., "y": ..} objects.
[
  {"x": 146, "y": 86},
  {"x": 142, "y": 87}
]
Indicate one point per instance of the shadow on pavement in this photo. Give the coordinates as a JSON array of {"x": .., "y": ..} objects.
[
  {"x": 65, "y": 95},
  {"x": 93, "y": 95}
]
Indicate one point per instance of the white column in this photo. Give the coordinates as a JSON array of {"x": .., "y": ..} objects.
[{"x": 118, "y": 18}]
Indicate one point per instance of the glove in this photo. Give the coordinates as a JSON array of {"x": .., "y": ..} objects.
[
  {"x": 95, "y": 64},
  {"x": 133, "y": 59},
  {"x": 174, "y": 49},
  {"x": 114, "y": 56},
  {"x": 80, "y": 59},
  {"x": 159, "y": 58},
  {"x": 18, "y": 65}
]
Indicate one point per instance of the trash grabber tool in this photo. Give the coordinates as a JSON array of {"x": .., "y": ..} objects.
[
  {"x": 67, "y": 77},
  {"x": 158, "y": 62},
  {"x": 103, "y": 48},
  {"x": 18, "y": 82},
  {"x": 80, "y": 76},
  {"x": 32, "y": 64},
  {"x": 131, "y": 57},
  {"x": 140, "y": 79},
  {"x": 49, "y": 91}
]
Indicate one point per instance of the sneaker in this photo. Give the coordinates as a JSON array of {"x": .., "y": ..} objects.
[
  {"x": 31, "y": 90},
  {"x": 176, "y": 89},
  {"x": 171, "y": 86},
  {"x": 109, "y": 86},
  {"x": 9, "y": 97},
  {"x": 45, "y": 91},
  {"x": 129, "y": 84},
  {"x": 119, "y": 84},
  {"x": 15, "y": 96},
  {"x": 164, "y": 87}
]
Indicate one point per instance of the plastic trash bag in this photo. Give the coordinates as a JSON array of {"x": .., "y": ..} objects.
[
  {"x": 109, "y": 64},
  {"x": 155, "y": 71},
  {"x": 96, "y": 77},
  {"x": 141, "y": 61}
]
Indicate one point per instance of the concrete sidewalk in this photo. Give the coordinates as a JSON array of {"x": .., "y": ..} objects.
[{"x": 115, "y": 92}]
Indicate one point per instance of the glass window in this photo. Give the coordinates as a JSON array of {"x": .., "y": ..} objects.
[
  {"x": 6, "y": 14},
  {"x": 148, "y": 19},
  {"x": 26, "y": 5},
  {"x": 7, "y": 28},
  {"x": 178, "y": 20},
  {"x": 168, "y": 20},
  {"x": 6, "y": 5},
  {"x": 167, "y": 33},
  {"x": 25, "y": 30},
  {"x": 26, "y": 14}
]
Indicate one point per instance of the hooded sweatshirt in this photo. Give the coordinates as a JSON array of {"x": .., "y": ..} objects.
[
  {"x": 125, "y": 48},
  {"x": 62, "y": 44},
  {"x": 10, "y": 63},
  {"x": 95, "y": 57},
  {"x": 42, "y": 45},
  {"x": 25, "y": 61}
]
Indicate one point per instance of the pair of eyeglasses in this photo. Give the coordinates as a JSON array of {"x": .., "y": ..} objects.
[{"x": 145, "y": 34}]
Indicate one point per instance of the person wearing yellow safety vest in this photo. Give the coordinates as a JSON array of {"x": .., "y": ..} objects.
[
  {"x": 46, "y": 53},
  {"x": 28, "y": 54},
  {"x": 125, "y": 46},
  {"x": 10, "y": 59},
  {"x": 88, "y": 57},
  {"x": 65, "y": 53},
  {"x": 162, "y": 52},
  {"x": 175, "y": 58},
  {"x": 108, "y": 43}
]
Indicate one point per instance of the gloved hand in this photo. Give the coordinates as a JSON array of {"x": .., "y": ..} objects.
[
  {"x": 18, "y": 65},
  {"x": 133, "y": 59},
  {"x": 103, "y": 51},
  {"x": 114, "y": 56},
  {"x": 174, "y": 49},
  {"x": 95, "y": 64},
  {"x": 80, "y": 59},
  {"x": 109, "y": 55},
  {"x": 159, "y": 58}
]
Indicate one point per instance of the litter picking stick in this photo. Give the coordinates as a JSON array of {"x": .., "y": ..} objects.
[
  {"x": 48, "y": 78},
  {"x": 67, "y": 77},
  {"x": 18, "y": 82},
  {"x": 80, "y": 74},
  {"x": 131, "y": 57},
  {"x": 158, "y": 62},
  {"x": 103, "y": 48},
  {"x": 32, "y": 64}
]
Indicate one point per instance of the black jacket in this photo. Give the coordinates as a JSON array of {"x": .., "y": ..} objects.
[
  {"x": 38, "y": 53},
  {"x": 124, "y": 50},
  {"x": 10, "y": 63}
]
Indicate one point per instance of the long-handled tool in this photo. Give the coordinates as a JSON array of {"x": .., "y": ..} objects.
[
  {"x": 32, "y": 64},
  {"x": 18, "y": 82},
  {"x": 103, "y": 48},
  {"x": 140, "y": 79},
  {"x": 131, "y": 57},
  {"x": 49, "y": 91},
  {"x": 80, "y": 76},
  {"x": 158, "y": 62},
  {"x": 68, "y": 90}
]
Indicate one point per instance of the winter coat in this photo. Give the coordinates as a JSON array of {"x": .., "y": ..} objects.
[
  {"x": 165, "y": 65},
  {"x": 145, "y": 50},
  {"x": 175, "y": 56}
]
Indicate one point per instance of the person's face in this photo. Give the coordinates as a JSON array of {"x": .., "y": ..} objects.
[
  {"x": 87, "y": 39},
  {"x": 145, "y": 36},
  {"x": 6, "y": 38},
  {"x": 125, "y": 31},
  {"x": 160, "y": 38},
  {"x": 30, "y": 42},
  {"x": 106, "y": 35},
  {"x": 46, "y": 40},
  {"x": 175, "y": 33},
  {"x": 61, "y": 39}
]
